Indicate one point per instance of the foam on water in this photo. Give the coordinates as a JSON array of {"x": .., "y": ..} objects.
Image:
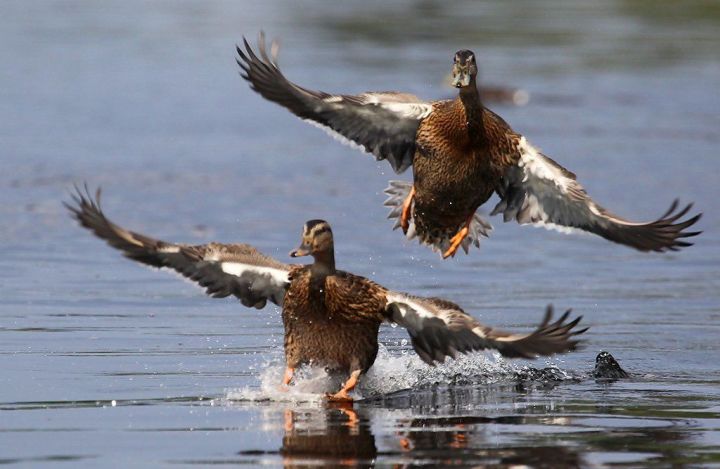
[{"x": 392, "y": 373}]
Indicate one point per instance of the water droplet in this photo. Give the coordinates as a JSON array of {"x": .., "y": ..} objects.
[
  {"x": 113, "y": 403},
  {"x": 403, "y": 342}
]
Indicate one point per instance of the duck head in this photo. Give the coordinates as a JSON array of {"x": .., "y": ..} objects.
[
  {"x": 464, "y": 69},
  {"x": 317, "y": 241}
]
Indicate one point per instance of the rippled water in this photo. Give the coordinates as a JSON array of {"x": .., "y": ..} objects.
[{"x": 108, "y": 363}]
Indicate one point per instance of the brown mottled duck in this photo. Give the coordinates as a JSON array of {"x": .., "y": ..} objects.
[
  {"x": 331, "y": 317},
  {"x": 461, "y": 153}
]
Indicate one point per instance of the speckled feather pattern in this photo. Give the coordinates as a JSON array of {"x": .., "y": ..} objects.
[
  {"x": 332, "y": 321},
  {"x": 457, "y": 165}
]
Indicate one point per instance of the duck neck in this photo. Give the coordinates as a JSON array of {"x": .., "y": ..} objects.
[
  {"x": 324, "y": 264},
  {"x": 474, "y": 109}
]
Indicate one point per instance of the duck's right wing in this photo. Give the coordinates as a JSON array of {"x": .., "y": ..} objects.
[
  {"x": 536, "y": 189},
  {"x": 384, "y": 124},
  {"x": 222, "y": 269},
  {"x": 440, "y": 328}
]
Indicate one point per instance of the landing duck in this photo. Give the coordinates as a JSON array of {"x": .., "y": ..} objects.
[
  {"x": 461, "y": 154},
  {"x": 331, "y": 317}
]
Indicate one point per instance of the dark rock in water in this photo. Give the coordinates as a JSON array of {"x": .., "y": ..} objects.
[{"x": 606, "y": 367}]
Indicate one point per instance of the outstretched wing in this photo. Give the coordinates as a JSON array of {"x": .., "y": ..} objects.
[
  {"x": 538, "y": 190},
  {"x": 439, "y": 328},
  {"x": 384, "y": 124},
  {"x": 222, "y": 269}
]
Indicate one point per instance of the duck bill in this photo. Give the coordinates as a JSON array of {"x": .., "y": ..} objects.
[
  {"x": 461, "y": 80},
  {"x": 303, "y": 250}
]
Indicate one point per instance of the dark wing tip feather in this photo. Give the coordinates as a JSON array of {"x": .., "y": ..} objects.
[
  {"x": 252, "y": 289},
  {"x": 453, "y": 332},
  {"x": 664, "y": 234},
  {"x": 87, "y": 211},
  {"x": 547, "y": 339},
  {"x": 383, "y": 132}
]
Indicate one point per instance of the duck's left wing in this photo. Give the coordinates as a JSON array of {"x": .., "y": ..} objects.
[
  {"x": 384, "y": 124},
  {"x": 221, "y": 269},
  {"x": 536, "y": 189},
  {"x": 439, "y": 328}
]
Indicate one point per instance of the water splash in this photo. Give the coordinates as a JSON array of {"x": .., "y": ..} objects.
[
  {"x": 310, "y": 386},
  {"x": 392, "y": 373}
]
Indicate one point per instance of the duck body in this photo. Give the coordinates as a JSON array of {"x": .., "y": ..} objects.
[
  {"x": 461, "y": 154},
  {"x": 332, "y": 320}
]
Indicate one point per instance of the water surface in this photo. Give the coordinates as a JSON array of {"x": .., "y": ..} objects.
[{"x": 105, "y": 362}]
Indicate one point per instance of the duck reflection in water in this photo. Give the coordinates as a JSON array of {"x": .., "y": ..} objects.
[
  {"x": 338, "y": 435},
  {"x": 341, "y": 435}
]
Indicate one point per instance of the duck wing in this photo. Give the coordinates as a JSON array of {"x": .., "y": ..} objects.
[
  {"x": 383, "y": 124},
  {"x": 221, "y": 269},
  {"x": 440, "y": 328},
  {"x": 537, "y": 190}
]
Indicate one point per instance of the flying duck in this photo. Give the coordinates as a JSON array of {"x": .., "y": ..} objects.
[
  {"x": 331, "y": 317},
  {"x": 461, "y": 153}
]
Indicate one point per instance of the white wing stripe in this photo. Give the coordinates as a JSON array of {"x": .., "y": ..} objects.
[
  {"x": 410, "y": 110},
  {"x": 536, "y": 165},
  {"x": 411, "y": 314},
  {"x": 237, "y": 269}
]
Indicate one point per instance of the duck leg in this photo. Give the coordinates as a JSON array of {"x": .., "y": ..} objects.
[
  {"x": 406, "y": 207},
  {"x": 342, "y": 395},
  {"x": 456, "y": 241},
  {"x": 287, "y": 377}
]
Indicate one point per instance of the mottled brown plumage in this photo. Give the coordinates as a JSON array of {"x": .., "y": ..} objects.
[
  {"x": 461, "y": 153},
  {"x": 331, "y": 317},
  {"x": 459, "y": 159},
  {"x": 342, "y": 306}
]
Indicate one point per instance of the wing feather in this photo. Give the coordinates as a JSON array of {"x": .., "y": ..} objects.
[
  {"x": 439, "y": 328},
  {"x": 382, "y": 123},
  {"x": 221, "y": 269},
  {"x": 538, "y": 190}
]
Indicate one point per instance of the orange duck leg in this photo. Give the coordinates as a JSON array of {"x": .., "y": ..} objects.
[
  {"x": 289, "y": 372},
  {"x": 342, "y": 395},
  {"x": 456, "y": 241},
  {"x": 405, "y": 214}
]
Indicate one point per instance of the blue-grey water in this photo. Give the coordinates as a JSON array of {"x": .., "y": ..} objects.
[{"x": 107, "y": 363}]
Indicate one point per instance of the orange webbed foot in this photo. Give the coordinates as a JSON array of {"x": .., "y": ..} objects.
[
  {"x": 456, "y": 242},
  {"x": 340, "y": 396}
]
